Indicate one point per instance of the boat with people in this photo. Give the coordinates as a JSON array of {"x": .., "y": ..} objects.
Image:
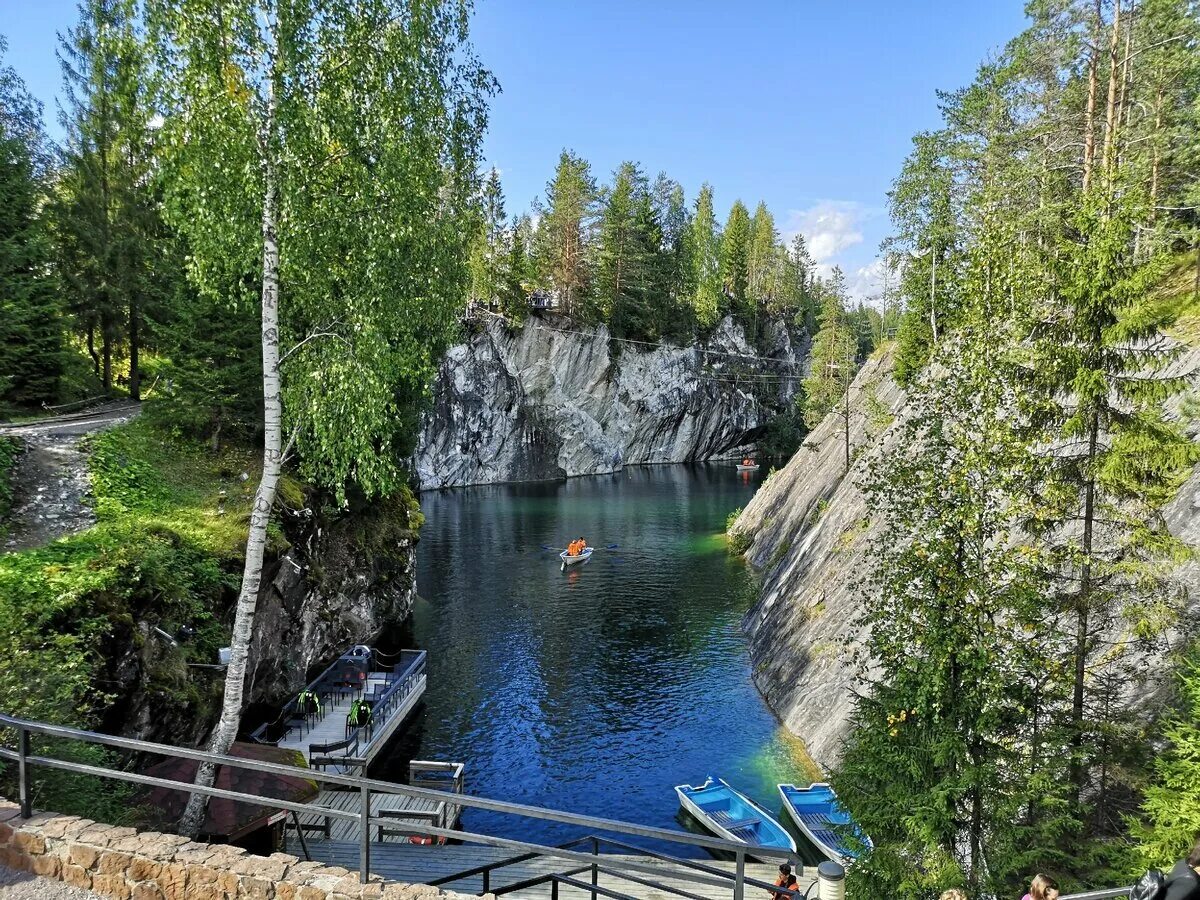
[
  {"x": 817, "y": 813},
  {"x": 747, "y": 465},
  {"x": 732, "y": 815},
  {"x": 581, "y": 557}
]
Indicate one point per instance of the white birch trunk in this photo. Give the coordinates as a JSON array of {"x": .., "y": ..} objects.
[{"x": 256, "y": 542}]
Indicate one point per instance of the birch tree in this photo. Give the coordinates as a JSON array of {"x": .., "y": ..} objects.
[{"x": 322, "y": 157}]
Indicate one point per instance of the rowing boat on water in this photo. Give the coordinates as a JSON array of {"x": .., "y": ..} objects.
[
  {"x": 582, "y": 556},
  {"x": 749, "y": 468},
  {"x": 732, "y": 815},
  {"x": 816, "y": 811}
]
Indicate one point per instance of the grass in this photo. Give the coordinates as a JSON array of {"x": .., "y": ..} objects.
[{"x": 165, "y": 550}]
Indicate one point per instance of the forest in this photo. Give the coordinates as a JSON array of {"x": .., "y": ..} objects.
[
  {"x": 1032, "y": 704},
  {"x": 272, "y": 237}
]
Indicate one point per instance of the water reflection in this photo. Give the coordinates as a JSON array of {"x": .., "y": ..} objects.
[{"x": 596, "y": 689}]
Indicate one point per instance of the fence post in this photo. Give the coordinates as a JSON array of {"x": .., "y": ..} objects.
[
  {"x": 831, "y": 879},
  {"x": 595, "y": 865},
  {"x": 739, "y": 883},
  {"x": 364, "y": 835},
  {"x": 23, "y": 792}
]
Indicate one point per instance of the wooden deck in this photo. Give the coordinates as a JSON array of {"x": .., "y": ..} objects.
[
  {"x": 420, "y": 865},
  {"x": 396, "y": 694},
  {"x": 422, "y": 812}
]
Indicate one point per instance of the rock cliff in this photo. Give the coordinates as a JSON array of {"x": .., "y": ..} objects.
[
  {"x": 542, "y": 401},
  {"x": 809, "y": 531},
  {"x": 341, "y": 580}
]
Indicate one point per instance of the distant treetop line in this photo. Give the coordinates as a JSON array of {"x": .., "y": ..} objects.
[{"x": 635, "y": 255}]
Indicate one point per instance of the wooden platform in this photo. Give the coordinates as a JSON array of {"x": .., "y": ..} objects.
[
  {"x": 419, "y": 865},
  {"x": 423, "y": 812},
  {"x": 337, "y": 695}
]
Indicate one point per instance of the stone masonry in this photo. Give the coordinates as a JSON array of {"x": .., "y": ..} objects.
[{"x": 124, "y": 864}]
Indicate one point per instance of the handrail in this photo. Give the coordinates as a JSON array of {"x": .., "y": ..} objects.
[
  {"x": 366, "y": 820},
  {"x": 592, "y": 823},
  {"x": 1102, "y": 894}
]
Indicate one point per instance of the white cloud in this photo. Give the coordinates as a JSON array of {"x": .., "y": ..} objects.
[
  {"x": 865, "y": 284},
  {"x": 829, "y": 227}
]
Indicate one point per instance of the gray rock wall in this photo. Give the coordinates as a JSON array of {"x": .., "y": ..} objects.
[
  {"x": 539, "y": 402},
  {"x": 810, "y": 531}
]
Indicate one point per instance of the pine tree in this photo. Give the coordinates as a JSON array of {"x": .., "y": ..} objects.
[
  {"x": 735, "y": 262},
  {"x": 514, "y": 294},
  {"x": 834, "y": 353},
  {"x": 564, "y": 233},
  {"x": 1171, "y": 809},
  {"x": 1096, "y": 393},
  {"x": 704, "y": 251},
  {"x": 933, "y": 768},
  {"x": 31, "y": 343},
  {"x": 107, "y": 218}
]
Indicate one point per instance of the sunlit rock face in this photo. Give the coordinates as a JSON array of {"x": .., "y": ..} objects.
[
  {"x": 542, "y": 402},
  {"x": 810, "y": 531}
]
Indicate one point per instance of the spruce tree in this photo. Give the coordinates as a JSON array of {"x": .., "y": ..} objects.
[
  {"x": 31, "y": 341},
  {"x": 934, "y": 768},
  {"x": 564, "y": 235},
  {"x": 106, "y": 214},
  {"x": 735, "y": 259},
  {"x": 704, "y": 251}
]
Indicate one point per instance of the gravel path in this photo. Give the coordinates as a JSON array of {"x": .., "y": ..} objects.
[
  {"x": 23, "y": 886},
  {"x": 52, "y": 493}
]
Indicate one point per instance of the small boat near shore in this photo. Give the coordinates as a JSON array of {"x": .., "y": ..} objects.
[
  {"x": 742, "y": 467},
  {"x": 581, "y": 557},
  {"x": 732, "y": 815},
  {"x": 817, "y": 813}
]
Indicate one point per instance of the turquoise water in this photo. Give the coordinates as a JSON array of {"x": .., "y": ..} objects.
[{"x": 599, "y": 689}]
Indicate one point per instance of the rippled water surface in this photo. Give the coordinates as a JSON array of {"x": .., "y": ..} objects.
[{"x": 599, "y": 689}]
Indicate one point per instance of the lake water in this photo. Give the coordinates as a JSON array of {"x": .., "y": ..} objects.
[{"x": 598, "y": 689}]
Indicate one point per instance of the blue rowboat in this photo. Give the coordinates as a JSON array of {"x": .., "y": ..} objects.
[
  {"x": 732, "y": 815},
  {"x": 581, "y": 557},
  {"x": 815, "y": 809}
]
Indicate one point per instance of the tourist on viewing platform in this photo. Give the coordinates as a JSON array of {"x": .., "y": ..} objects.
[
  {"x": 1183, "y": 881},
  {"x": 1043, "y": 887},
  {"x": 785, "y": 872}
]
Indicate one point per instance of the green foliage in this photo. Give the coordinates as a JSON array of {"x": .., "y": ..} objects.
[
  {"x": 704, "y": 245},
  {"x": 834, "y": 354},
  {"x": 164, "y": 549},
  {"x": 565, "y": 230},
  {"x": 31, "y": 342},
  {"x": 108, "y": 228},
  {"x": 942, "y": 733},
  {"x": 735, "y": 257},
  {"x": 1171, "y": 811},
  {"x": 376, "y": 202},
  {"x": 10, "y": 451}
]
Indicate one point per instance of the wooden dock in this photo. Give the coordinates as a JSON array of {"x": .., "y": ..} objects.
[
  {"x": 409, "y": 812},
  {"x": 420, "y": 865},
  {"x": 322, "y": 732}
]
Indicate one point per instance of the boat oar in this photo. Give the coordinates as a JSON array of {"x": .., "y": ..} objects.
[{"x": 553, "y": 549}]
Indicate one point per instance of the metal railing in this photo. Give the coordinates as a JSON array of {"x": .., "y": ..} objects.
[
  {"x": 1105, "y": 894},
  {"x": 690, "y": 871},
  {"x": 330, "y": 687}
]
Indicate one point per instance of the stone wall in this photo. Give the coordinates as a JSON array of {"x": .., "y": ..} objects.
[{"x": 123, "y": 864}]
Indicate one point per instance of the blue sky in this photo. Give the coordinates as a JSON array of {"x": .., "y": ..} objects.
[{"x": 807, "y": 105}]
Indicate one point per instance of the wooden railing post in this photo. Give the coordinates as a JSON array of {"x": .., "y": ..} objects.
[
  {"x": 23, "y": 792},
  {"x": 739, "y": 882},
  {"x": 364, "y": 835}
]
